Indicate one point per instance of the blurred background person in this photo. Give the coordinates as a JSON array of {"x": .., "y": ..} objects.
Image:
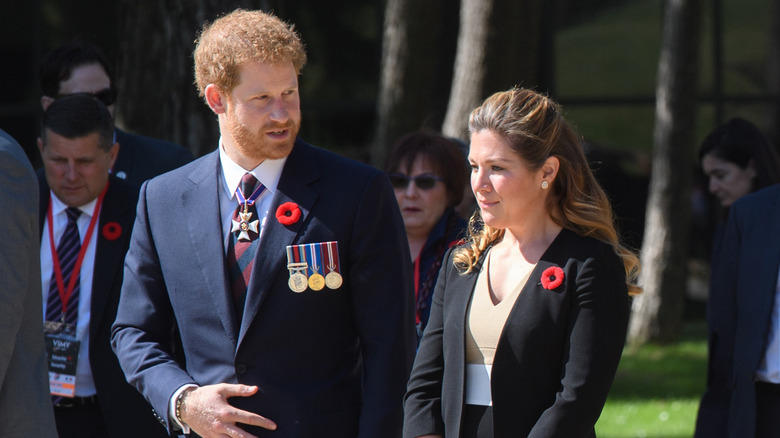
[
  {"x": 25, "y": 405},
  {"x": 532, "y": 312},
  {"x": 86, "y": 218},
  {"x": 429, "y": 175},
  {"x": 737, "y": 159},
  {"x": 80, "y": 67}
]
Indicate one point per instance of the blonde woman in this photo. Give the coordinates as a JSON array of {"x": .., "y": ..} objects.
[{"x": 529, "y": 317}]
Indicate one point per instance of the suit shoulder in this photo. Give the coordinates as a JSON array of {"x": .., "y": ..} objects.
[
  {"x": 759, "y": 199},
  {"x": 570, "y": 245},
  {"x": 335, "y": 163},
  {"x": 149, "y": 145},
  {"x": 123, "y": 188}
]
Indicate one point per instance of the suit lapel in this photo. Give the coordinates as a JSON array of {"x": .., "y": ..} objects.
[
  {"x": 300, "y": 170},
  {"x": 117, "y": 210},
  {"x": 206, "y": 237}
]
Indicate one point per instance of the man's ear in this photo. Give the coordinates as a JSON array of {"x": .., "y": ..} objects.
[
  {"x": 46, "y": 101},
  {"x": 215, "y": 98}
]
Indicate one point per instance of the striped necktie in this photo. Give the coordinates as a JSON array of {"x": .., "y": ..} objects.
[
  {"x": 67, "y": 253},
  {"x": 244, "y": 239}
]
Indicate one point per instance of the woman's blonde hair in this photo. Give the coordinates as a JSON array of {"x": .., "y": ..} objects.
[{"x": 533, "y": 126}]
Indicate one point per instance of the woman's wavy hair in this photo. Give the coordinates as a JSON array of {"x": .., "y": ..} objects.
[{"x": 534, "y": 127}]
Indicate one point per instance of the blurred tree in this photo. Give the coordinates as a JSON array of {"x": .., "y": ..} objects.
[
  {"x": 160, "y": 38},
  {"x": 469, "y": 71},
  {"x": 501, "y": 43},
  {"x": 417, "y": 54},
  {"x": 773, "y": 73},
  {"x": 657, "y": 313}
]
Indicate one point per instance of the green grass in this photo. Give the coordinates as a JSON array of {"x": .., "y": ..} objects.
[{"x": 657, "y": 389}]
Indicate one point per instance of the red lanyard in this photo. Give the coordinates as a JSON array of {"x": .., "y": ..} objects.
[
  {"x": 417, "y": 283},
  {"x": 66, "y": 293}
]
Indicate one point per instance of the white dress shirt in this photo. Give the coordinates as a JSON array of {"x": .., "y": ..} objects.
[
  {"x": 268, "y": 173},
  {"x": 85, "y": 386}
]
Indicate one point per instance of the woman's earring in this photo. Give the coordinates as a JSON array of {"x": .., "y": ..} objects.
[{"x": 545, "y": 185}]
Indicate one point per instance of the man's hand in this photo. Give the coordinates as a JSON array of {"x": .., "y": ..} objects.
[{"x": 206, "y": 411}]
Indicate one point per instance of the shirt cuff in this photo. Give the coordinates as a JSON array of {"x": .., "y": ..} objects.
[{"x": 172, "y": 408}]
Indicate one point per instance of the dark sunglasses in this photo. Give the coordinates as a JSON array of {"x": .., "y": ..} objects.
[
  {"x": 106, "y": 96},
  {"x": 423, "y": 182}
]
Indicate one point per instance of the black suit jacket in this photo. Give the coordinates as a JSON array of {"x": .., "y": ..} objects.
[
  {"x": 556, "y": 357},
  {"x": 124, "y": 410},
  {"x": 327, "y": 363},
  {"x": 141, "y": 158},
  {"x": 744, "y": 288}
]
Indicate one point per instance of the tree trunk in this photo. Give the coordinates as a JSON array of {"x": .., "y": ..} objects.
[
  {"x": 514, "y": 48},
  {"x": 657, "y": 313},
  {"x": 469, "y": 72},
  {"x": 413, "y": 85},
  {"x": 155, "y": 77},
  {"x": 773, "y": 73}
]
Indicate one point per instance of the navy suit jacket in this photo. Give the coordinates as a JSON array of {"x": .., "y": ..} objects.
[
  {"x": 744, "y": 287},
  {"x": 124, "y": 410},
  {"x": 327, "y": 363},
  {"x": 141, "y": 158},
  {"x": 556, "y": 357}
]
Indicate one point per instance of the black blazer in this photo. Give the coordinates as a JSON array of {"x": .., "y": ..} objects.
[
  {"x": 556, "y": 357},
  {"x": 124, "y": 410},
  {"x": 141, "y": 158},
  {"x": 744, "y": 288}
]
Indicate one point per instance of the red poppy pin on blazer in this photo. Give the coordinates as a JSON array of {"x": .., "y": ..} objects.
[
  {"x": 552, "y": 277},
  {"x": 112, "y": 231},
  {"x": 288, "y": 213}
]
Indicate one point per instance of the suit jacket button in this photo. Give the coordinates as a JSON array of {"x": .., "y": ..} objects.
[{"x": 240, "y": 369}]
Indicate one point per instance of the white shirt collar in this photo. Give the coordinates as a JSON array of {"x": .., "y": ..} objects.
[
  {"x": 268, "y": 172},
  {"x": 57, "y": 206}
]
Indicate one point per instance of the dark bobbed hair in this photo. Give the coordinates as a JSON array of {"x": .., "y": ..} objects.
[
  {"x": 76, "y": 116},
  {"x": 533, "y": 126},
  {"x": 58, "y": 64},
  {"x": 740, "y": 142},
  {"x": 441, "y": 153}
]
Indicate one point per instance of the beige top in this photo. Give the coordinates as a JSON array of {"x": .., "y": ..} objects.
[{"x": 486, "y": 320}]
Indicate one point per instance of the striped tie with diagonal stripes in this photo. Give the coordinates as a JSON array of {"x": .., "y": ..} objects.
[
  {"x": 67, "y": 252},
  {"x": 243, "y": 240}
]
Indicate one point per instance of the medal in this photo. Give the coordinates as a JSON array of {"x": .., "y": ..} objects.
[
  {"x": 297, "y": 282},
  {"x": 245, "y": 224},
  {"x": 316, "y": 280},
  {"x": 297, "y": 268},
  {"x": 333, "y": 279}
]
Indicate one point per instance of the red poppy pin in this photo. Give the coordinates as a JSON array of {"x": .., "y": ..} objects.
[
  {"x": 288, "y": 213},
  {"x": 112, "y": 231},
  {"x": 552, "y": 277}
]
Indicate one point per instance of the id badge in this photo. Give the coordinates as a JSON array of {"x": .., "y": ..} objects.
[{"x": 62, "y": 349}]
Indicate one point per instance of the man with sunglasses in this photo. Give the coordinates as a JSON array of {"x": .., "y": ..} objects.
[{"x": 80, "y": 67}]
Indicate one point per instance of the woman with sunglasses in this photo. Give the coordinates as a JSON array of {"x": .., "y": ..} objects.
[
  {"x": 529, "y": 316},
  {"x": 429, "y": 174}
]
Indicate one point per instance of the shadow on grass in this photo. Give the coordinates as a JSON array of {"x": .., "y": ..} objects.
[{"x": 664, "y": 371}]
